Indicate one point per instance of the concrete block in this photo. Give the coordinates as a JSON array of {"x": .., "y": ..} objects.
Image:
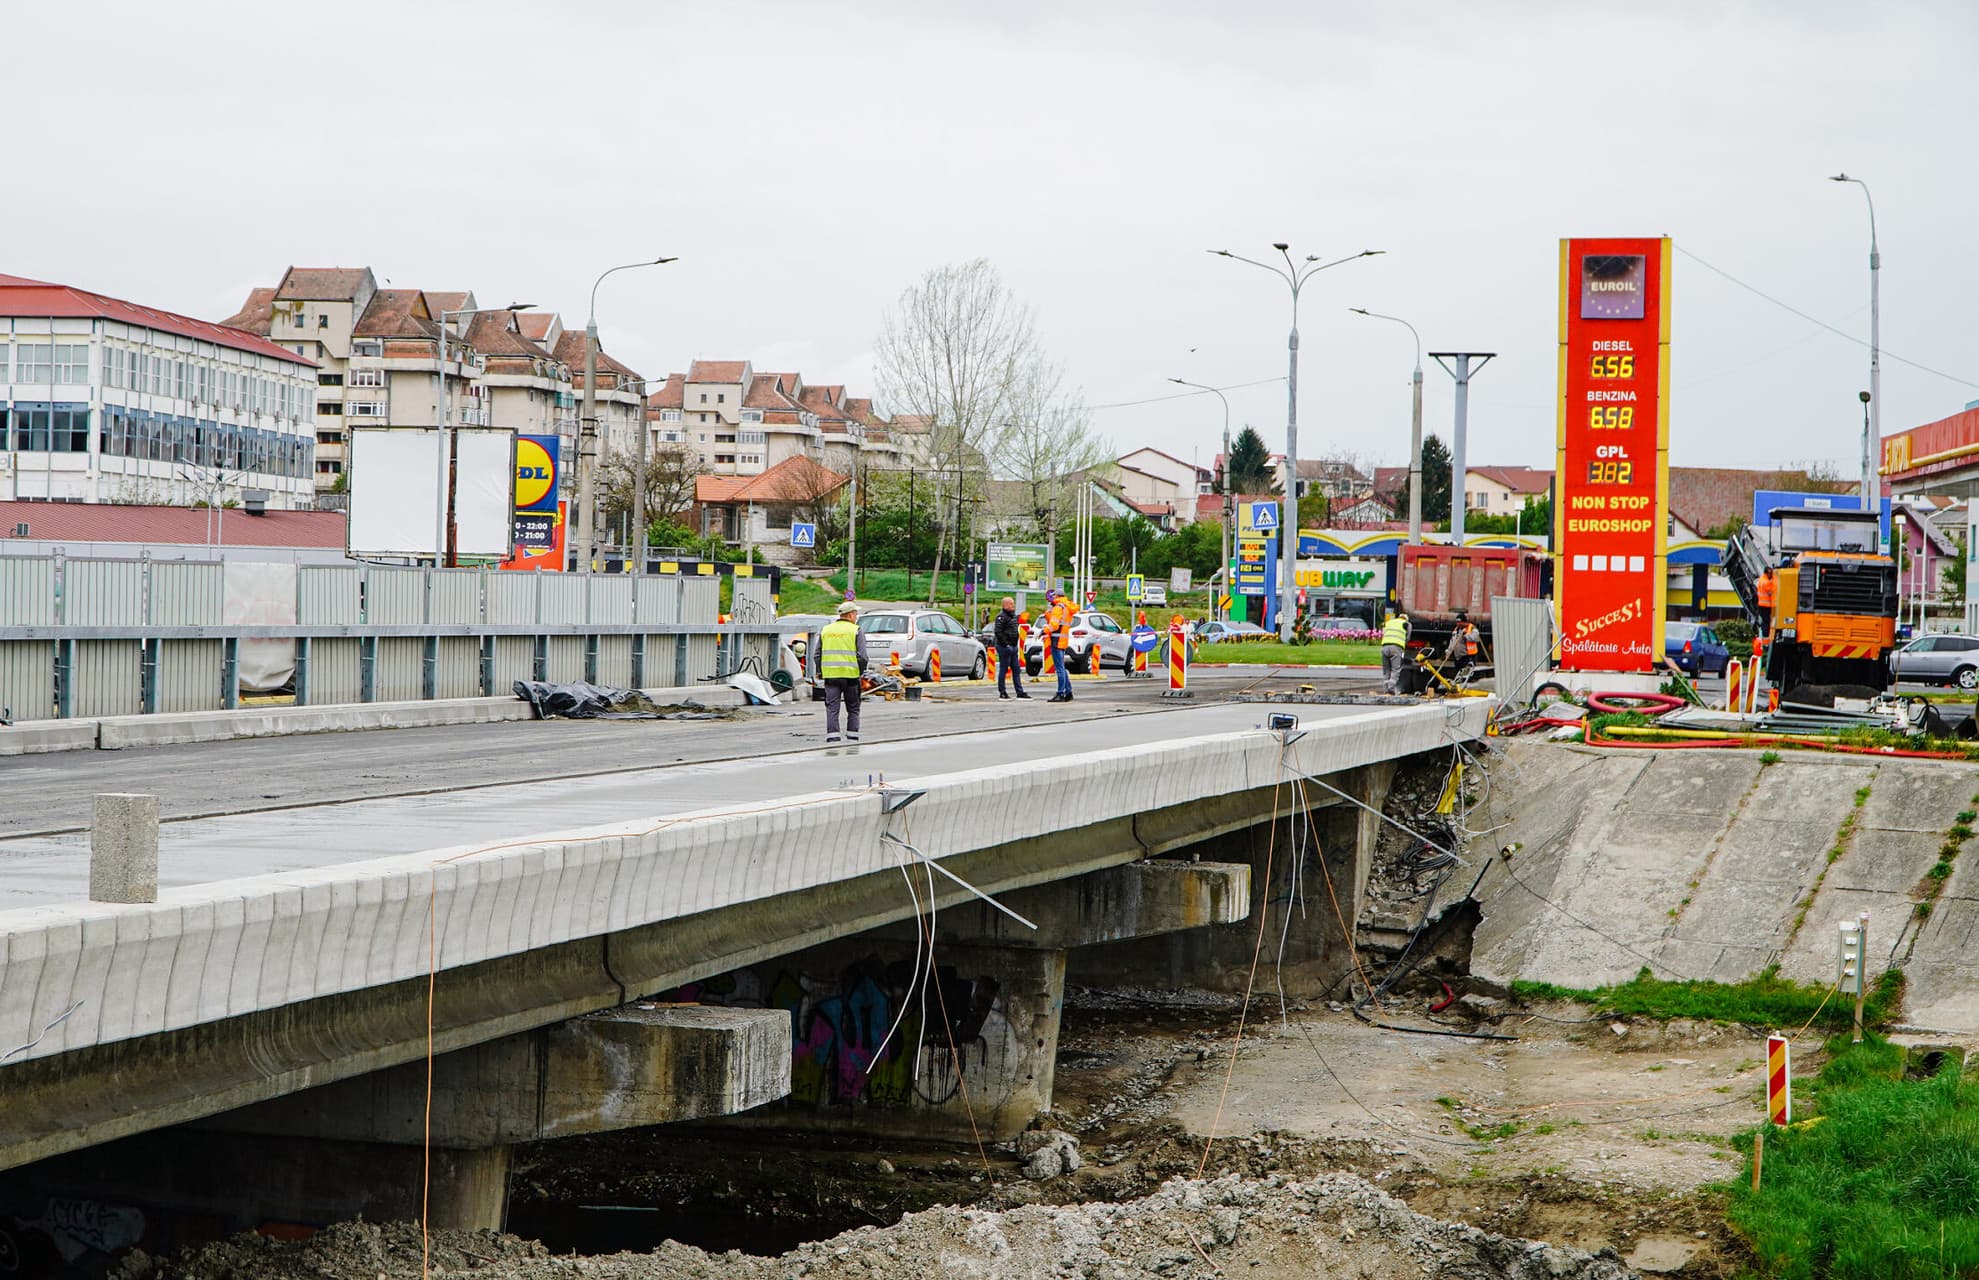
[
  {"x": 1921, "y": 796},
  {"x": 37, "y": 737},
  {"x": 1140, "y": 900},
  {"x": 123, "y": 849}
]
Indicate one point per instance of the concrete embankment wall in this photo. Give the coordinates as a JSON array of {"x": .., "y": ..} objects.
[{"x": 1715, "y": 864}]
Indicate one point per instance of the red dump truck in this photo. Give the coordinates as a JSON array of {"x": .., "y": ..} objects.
[{"x": 1439, "y": 580}]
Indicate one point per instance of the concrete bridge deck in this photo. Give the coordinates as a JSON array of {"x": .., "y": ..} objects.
[{"x": 291, "y": 948}]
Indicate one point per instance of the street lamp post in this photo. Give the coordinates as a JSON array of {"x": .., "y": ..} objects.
[
  {"x": 1872, "y": 440},
  {"x": 1459, "y": 466},
  {"x": 1415, "y": 428},
  {"x": 587, "y": 438},
  {"x": 449, "y": 531},
  {"x": 1295, "y": 275},
  {"x": 1229, "y": 503}
]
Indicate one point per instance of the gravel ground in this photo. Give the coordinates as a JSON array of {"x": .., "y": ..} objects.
[{"x": 1271, "y": 1228}]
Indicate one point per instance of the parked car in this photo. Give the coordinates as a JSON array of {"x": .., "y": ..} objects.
[
  {"x": 1088, "y": 627},
  {"x": 1938, "y": 659},
  {"x": 914, "y": 634},
  {"x": 1225, "y": 632},
  {"x": 1695, "y": 648},
  {"x": 1154, "y": 593},
  {"x": 1340, "y": 622}
]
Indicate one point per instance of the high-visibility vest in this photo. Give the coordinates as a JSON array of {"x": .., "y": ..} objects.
[
  {"x": 838, "y": 651},
  {"x": 1470, "y": 640},
  {"x": 1061, "y": 628},
  {"x": 1395, "y": 631},
  {"x": 1766, "y": 589}
]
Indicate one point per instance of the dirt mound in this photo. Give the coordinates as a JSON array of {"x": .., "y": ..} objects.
[{"x": 1271, "y": 1229}]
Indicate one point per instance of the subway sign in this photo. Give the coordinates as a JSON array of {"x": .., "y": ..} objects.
[{"x": 1345, "y": 577}]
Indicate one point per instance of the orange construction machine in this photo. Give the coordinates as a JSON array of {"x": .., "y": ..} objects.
[{"x": 1820, "y": 590}]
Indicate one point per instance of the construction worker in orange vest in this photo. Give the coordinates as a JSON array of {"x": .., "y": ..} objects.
[
  {"x": 1058, "y": 635},
  {"x": 1766, "y": 589}
]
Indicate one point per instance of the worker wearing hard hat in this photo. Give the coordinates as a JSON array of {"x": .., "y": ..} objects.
[
  {"x": 841, "y": 661},
  {"x": 1394, "y": 649}
]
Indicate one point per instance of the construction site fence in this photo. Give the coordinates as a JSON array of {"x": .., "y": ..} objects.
[{"x": 107, "y": 637}]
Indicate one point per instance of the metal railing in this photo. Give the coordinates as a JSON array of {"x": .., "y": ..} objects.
[{"x": 89, "y": 637}]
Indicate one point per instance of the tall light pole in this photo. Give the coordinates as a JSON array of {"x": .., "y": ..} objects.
[
  {"x": 1415, "y": 428},
  {"x": 1295, "y": 275},
  {"x": 1872, "y": 440},
  {"x": 449, "y": 531},
  {"x": 587, "y": 436},
  {"x": 1229, "y": 503}
]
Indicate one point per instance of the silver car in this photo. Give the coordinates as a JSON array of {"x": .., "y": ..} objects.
[
  {"x": 1089, "y": 627},
  {"x": 914, "y": 634},
  {"x": 1939, "y": 659}
]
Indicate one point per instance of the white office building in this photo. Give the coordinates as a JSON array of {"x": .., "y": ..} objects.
[{"x": 103, "y": 400}]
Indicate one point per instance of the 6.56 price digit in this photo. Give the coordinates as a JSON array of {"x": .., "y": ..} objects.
[{"x": 1611, "y": 367}]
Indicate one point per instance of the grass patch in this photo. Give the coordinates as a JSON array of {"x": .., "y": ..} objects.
[
  {"x": 1765, "y": 1001},
  {"x": 1769, "y": 757},
  {"x": 1343, "y": 653},
  {"x": 1886, "y": 1186},
  {"x": 1483, "y": 1132}
]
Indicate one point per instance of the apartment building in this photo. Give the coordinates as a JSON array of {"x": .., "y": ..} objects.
[
  {"x": 621, "y": 404},
  {"x": 103, "y": 400},
  {"x": 739, "y": 421}
]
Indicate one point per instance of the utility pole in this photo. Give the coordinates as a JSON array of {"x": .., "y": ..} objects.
[
  {"x": 1462, "y": 372},
  {"x": 1295, "y": 275},
  {"x": 638, "y": 536},
  {"x": 852, "y": 532},
  {"x": 1415, "y": 427},
  {"x": 1229, "y": 503}
]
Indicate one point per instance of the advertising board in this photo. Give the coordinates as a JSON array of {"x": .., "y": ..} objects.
[
  {"x": 398, "y": 488},
  {"x": 1346, "y": 577},
  {"x": 1613, "y": 463},
  {"x": 1015, "y": 566}
]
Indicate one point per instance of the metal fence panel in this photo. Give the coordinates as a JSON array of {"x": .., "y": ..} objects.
[
  {"x": 27, "y": 592},
  {"x": 515, "y": 659},
  {"x": 700, "y": 659},
  {"x": 611, "y": 598},
  {"x": 566, "y": 659},
  {"x": 401, "y": 670},
  {"x": 394, "y": 596},
  {"x": 512, "y": 597},
  {"x": 336, "y": 669},
  {"x": 27, "y": 677},
  {"x": 458, "y": 671},
  {"x": 752, "y": 601},
  {"x": 563, "y": 599},
  {"x": 103, "y": 593},
  {"x": 188, "y": 595},
  {"x": 456, "y": 596},
  {"x": 700, "y": 599},
  {"x": 615, "y": 661},
  {"x": 189, "y": 675},
  {"x": 106, "y": 678},
  {"x": 1521, "y": 642},
  {"x": 658, "y": 599},
  {"x": 328, "y": 596}
]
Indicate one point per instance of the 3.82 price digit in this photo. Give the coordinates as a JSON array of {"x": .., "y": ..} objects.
[{"x": 1611, "y": 473}]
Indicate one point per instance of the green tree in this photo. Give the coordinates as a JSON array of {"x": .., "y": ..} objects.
[
  {"x": 1248, "y": 469},
  {"x": 1435, "y": 479},
  {"x": 1536, "y": 519},
  {"x": 1951, "y": 576}
]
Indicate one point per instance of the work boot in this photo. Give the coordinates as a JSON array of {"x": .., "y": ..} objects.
[
  {"x": 1003, "y": 695},
  {"x": 1025, "y": 696}
]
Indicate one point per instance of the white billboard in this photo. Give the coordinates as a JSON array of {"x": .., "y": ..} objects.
[{"x": 397, "y": 482}]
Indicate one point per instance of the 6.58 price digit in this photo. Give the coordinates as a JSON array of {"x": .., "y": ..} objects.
[{"x": 1610, "y": 417}]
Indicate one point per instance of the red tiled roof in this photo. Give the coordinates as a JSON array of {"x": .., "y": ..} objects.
[
  {"x": 106, "y": 522},
  {"x": 1517, "y": 479},
  {"x": 769, "y": 391},
  {"x": 718, "y": 371},
  {"x": 795, "y": 479},
  {"x": 536, "y": 324},
  {"x": 1390, "y": 479},
  {"x": 445, "y": 300},
  {"x": 1708, "y": 497},
  {"x": 396, "y": 313},
  {"x": 670, "y": 396},
  {"x": 257, "y": 314},
  {"x": 322, "y": 284},
  {"x": 36, "y": 298},
  {"x": 493, "y": 333},
  {"x": 570, "y": 350}
]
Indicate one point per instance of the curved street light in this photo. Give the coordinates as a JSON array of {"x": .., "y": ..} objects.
[
  {"x": 1415, "y": 427},
  {"x": 1872, "y": 436},
  {"x": 587, "y": 439}
]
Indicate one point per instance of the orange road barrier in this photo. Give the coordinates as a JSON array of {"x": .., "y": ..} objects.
[
  {"x": 1735, "y": 686},
  {"x": 1093, "y": 667},
  {"x": 934, "y": 666},
  {"x": 1779, "y": 1080},
  {"x": 1178, "y": 658},
  {"x": 989, "y": 663}
]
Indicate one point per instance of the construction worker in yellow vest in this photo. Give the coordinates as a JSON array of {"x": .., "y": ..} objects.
[
  {"x": 1394, "y": 649},
  {"x": 841, "y": 662}
]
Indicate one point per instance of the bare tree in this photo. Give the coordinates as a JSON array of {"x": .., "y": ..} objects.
[
  {"x": 1047, "y": 442},
  {"x": 670, "y": 474},
  {"x": 953, "y": 350}
]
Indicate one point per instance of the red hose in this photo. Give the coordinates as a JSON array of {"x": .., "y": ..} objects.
[
  {"x": 1649, "y": 704},
  {"x": 1449, "y": 998}
]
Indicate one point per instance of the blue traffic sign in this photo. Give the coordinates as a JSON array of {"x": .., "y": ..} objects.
[
  {"x": 1144, "y": 639},
  {"x": 803, "y": 535},
  {"x": 1264, "y": 516},
  {"x": 1136, "y": 586}
]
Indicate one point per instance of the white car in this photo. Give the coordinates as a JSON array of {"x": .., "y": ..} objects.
[
  {"x": 915, "y": 634},
  {"x": 1155, "y": 594}
]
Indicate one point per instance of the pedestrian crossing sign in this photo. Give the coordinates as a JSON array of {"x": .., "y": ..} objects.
[
  {"x": 1264, "y": 517},
  {"x": 1136, "y": 586},
  {"x": 803, "y": 535}
]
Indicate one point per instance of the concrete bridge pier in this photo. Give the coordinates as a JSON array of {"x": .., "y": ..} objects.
[
  {"x": 879, "y": 1045},
  {"x": 355, "y": 1148}
]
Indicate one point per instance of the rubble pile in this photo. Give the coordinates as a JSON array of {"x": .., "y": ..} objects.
[{"x": 1270, "y": 1228}]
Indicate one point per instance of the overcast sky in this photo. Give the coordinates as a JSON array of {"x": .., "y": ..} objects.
[{"x": 808, "y": 161}]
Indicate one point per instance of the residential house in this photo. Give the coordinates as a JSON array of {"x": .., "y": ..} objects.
[
  {"x": 758, "y": 510},
  {"x": 1501, "y": 491},
  {"x": 1335, "y": 479},
  {"x": 103, "y": 400},
  {"x": 1706, "y": 501},
  {"x": 528, "y": 390},
  {"x": 1367, "y": 511}
]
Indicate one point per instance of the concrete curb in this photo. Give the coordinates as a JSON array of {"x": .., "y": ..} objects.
[{"x": 116, "y": 733}]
